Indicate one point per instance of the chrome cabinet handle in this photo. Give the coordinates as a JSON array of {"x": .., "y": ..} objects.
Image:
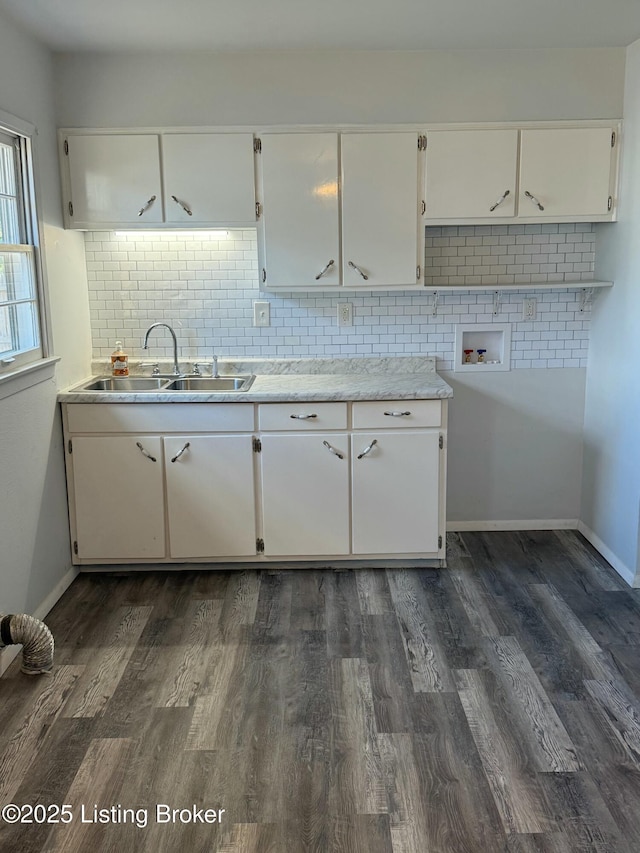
[
  {"x": 145, "y": 452},
  {"x": 534, "y": 200},
  {"x": 358, "y": 270},
  {"x": 180, "y": 452},
  {"x": 333, "y": 450},
  {"x": 302, "y": 417},
  {"x": 500, "y": 200},
  {"x": 397, "y": 414},
  {"x": 368, "y": 449},
  {"x": 324, "y": 269},
  {"x": 147, "y": 205},
  {"x": 182, "y": 205}
]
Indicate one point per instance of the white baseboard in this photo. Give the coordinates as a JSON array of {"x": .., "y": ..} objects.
[
  {"x": 625, "y": 572},
  {"x": 8, "y": 655},
  {"x": 520, "y": 524}
]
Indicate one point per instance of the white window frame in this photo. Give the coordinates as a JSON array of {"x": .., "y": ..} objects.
[{"x": 21, "y": 134}]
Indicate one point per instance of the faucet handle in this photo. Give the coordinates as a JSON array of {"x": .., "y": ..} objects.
[
  {"x": 214, "y": 367},
  {"x": 154, "y": 364},
  {"x": 196, "y": 369}
]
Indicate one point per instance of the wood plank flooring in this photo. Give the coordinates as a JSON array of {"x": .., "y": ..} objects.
[{"x": 490, "y": 707}]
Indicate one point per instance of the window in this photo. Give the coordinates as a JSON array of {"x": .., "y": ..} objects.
[{"x": 20, "y": 333}]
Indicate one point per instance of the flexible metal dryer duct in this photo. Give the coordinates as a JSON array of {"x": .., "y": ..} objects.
[{"x": 36, "y": 638}]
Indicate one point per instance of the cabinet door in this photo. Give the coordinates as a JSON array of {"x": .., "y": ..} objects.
[
  {"x": 211, "y": 175},
  {"x": 115, "y": 180},
  {"x": 471, "y": 173},
  {"x": 566, "y": 171},
  {"x": 210, "y": 496},
  {"x": 118, "y": 495},
  {"x": 305, "y": 494},
  {"x": 395, "y": 495},
  {"x": 380, "y": 209},
  {"x": 300, "y": 224}
]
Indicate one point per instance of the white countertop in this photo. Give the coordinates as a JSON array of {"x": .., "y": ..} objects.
[{"x": 401, "y": 378}]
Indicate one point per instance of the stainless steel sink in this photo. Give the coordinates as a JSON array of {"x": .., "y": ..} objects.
[
  {"x": 211, "y": 383},
  {"x": 124, "y": 384}
]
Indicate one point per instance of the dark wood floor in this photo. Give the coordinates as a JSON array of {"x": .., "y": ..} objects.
[{"x": 491, "y": 706}]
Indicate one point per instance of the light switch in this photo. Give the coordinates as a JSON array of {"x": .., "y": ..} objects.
[{"x": 261, "y": 313}]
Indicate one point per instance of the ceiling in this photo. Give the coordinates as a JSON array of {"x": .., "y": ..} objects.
[{"x": 111, "y": 25}]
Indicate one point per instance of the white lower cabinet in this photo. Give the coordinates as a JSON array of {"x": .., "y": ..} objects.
[
  {"x": 395, "y": 492},
  {"x": 210, "y": 496},
  {"x": 118, "y": 497},
  {"x": 305, "y": 494},
  {"x": 197, "y": 482}
]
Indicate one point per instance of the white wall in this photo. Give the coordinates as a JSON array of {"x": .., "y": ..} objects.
[
  {"x": 611, "y": 489},
  {"x": 26, "y": 91},
  {"x": 515, "y": 448},
  {"x": 33, "y": 521},
  {"x": 311, "y": 87}
]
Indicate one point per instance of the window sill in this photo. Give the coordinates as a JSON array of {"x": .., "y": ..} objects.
[{"x": 25, "y": 377}]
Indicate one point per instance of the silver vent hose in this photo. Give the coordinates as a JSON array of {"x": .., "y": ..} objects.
[{"x": 35, "y": 637}]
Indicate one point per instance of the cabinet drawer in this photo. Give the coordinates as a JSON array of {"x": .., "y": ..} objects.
[
  {"x": 388, "y": 414},
  {"x": 302, "y": 416},
  {"x": 160, "y": 417}
]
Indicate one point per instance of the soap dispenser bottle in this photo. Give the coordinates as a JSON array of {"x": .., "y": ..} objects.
[{"x": 119, "y": 361}]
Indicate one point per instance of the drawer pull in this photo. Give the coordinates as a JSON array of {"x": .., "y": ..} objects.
[
  {"x": 302, "y": 417},
  {"x": 368, "y": 449},
  {"x": 324, "y": 269},
  {"x": 182, "y": 205},
  {"x": 533, "y": 200},
  {"x": 147, "y": 205},
  {"x": 145, "y": 452},
  {"x": 180, "y": 452},
  {"x": 358, "y": 270},
  {"x": 500, "y": 200},
  {"x": 397, "y": 414},
  {"x": 333, "y": 450}
]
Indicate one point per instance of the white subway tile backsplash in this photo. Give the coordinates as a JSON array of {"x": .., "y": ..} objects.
[{"x": 204, "y": 284}]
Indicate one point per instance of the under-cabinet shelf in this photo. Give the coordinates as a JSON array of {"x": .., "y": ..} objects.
[{"x": 551, "y": 285}]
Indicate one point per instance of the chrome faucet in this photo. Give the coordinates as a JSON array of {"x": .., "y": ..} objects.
[{"x": 145, "y": 345}]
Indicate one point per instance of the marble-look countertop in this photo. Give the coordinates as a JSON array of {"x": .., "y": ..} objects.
[{"x": 280, "y": 380}]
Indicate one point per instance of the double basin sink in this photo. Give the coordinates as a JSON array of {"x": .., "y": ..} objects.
[{"x": 207, "y": 384}]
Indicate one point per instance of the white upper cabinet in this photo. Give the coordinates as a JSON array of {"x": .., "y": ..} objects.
[
  {"x": 380, "y": 191},
  {"x": 195, "y": 180},
  {"x": 300, "y": 225},
  {"x": 208, "y": 178},
  {"x": 471, "y": 173},
  {"x": 565, "y": 172},
  {"x": 553, "y": 174},
  {"x": 340, "y": 210},
  {"x": 113, "y": 179}
]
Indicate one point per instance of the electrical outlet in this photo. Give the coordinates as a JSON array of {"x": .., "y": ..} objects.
[
  {"x": 529, "y": 309},
  {"x": 261, "y": 313},
  {"x": 345, "y": 314}
]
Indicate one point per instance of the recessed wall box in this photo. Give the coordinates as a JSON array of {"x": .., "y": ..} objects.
[{"x": 490, "y": 348}]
